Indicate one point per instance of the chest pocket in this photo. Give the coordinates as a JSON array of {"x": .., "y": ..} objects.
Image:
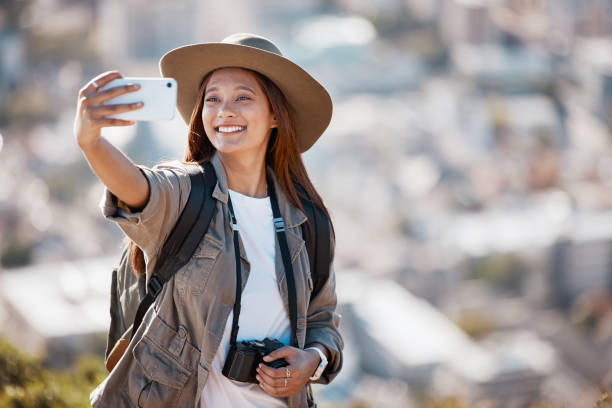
[{"x": 192, "y": 279}]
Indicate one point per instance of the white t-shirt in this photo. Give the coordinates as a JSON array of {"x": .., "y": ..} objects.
[{"x": 262, "y": 313}]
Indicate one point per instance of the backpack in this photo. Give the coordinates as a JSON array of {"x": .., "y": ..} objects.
[{"x": 129, "y": 295}]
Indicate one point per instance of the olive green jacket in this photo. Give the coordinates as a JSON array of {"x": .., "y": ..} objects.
[{"x": 168, "y": 360}]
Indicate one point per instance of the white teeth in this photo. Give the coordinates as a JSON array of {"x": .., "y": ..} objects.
[{"x": 230, "y": 129}]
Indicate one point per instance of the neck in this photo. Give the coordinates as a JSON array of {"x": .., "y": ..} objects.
[{"x": 246, "y": 174}]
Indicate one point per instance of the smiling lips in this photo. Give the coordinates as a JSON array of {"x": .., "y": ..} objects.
[{"x": 230, "y": 129}]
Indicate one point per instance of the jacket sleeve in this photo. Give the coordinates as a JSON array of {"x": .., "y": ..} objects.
[
  {"x": 169, "y": 187},
  {"x": 322, "y": 324}
]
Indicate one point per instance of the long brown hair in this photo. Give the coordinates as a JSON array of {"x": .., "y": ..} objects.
[{"x": 282, "y": 154}]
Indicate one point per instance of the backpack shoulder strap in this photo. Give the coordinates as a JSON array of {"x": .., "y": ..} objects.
[
  {"x": 317, "y": 235},
  {"x": 114, "y": 331},
  {"x": 187, "y": 220},
  {"x": 185, "y": 236}
]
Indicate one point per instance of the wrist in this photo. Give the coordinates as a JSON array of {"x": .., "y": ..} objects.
[
  {"x": 321, "y": 362},
  {"x": 90, "y": 144},
  {"x": 314, "y": 356},
  {"x": 91, "y": 147},
  {"x": 319, "y": 347}
]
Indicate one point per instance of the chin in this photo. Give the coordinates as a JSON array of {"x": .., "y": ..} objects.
[
  {"x": 230, "y": 147},
  {"x": 240, "y": 145}
]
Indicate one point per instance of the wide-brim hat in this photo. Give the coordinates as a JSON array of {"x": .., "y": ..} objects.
[{"x": 310, "y": 104}]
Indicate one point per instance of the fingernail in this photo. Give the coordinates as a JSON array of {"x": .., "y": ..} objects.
[{"x": 258, "y": 378}]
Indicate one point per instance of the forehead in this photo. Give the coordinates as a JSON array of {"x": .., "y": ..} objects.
[{"x": 232, "y": 77}]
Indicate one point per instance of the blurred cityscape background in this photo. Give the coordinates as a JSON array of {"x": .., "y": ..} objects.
[{"x": 468, "y": 168}]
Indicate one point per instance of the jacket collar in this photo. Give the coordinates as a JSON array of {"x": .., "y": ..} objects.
[
  {"x": 221, "y": 190},
  {"x": 292, "y": 215}
]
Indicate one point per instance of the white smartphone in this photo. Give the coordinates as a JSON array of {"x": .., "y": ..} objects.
[{"x": 158, "y": 95}]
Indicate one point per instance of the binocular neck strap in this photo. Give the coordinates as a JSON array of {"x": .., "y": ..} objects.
[{"x": 279, "y": 227}]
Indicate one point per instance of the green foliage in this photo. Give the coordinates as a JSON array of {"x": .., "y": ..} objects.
[
  {"x": 15, "y": 252},
  {"x": 24, "y": 383},
  {"x": 583, "y": 314},
  {"x": 90, "y": 369},
  {"x": 16, "y": 368},
  {"x": 605, "y": 400},
  {"x": 474, "y": 324},
  {"x": 33, "y": 395},
  {"x": 503, "y": 271},
  {"x": 448, "y": 402}
]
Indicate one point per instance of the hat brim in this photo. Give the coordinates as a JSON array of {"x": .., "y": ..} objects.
[{"x": 310, "y": 104}]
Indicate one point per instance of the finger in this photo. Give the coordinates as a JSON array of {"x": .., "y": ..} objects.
[
  {"x": 113, "y": 122},
  {"x": 283, "y": 352},
  {"x": 274, "y": 391},
  {"x": 274, "y": 372},
  {"x": 275, "y": 382},
  {"x": 104, "y": 110},
  {"x": 93, "y": 100},
  {"x": 100, "y": 81},
  {"x": 110, "y": 93}
]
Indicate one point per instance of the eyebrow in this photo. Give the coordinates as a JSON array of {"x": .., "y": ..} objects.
[{"x": 243, "y": 87}]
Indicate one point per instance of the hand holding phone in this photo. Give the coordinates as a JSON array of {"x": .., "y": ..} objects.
[{"x": 157, "y": 94}]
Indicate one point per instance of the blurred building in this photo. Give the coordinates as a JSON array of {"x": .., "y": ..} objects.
[
  {"x": 58, "y": 310},
  {"x": 12, "y": 63},
  {"x": 404, "y": 337},
  {"x": 593, "y": 17},
  {"x": 146, "y": 30},
  {"x": 467, "y": 22},
  {"x": 582, "y": 262},
  {"x": 593, "y": 66}
]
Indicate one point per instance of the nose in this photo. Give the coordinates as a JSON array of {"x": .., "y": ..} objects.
[{"x": 225, "y": 110}]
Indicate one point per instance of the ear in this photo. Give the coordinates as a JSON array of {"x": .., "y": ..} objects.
[{"x": 273, "y": 122}]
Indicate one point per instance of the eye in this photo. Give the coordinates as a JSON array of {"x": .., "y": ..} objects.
[
  {"x": 243, "y": 98},
  {"x": 212, "y": 99}
]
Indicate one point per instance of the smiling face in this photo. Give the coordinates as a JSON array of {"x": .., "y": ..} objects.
[{"x": 236, "y": 113}]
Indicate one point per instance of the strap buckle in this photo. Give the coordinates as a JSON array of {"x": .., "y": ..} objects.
[
  {"x": 154, "y": 286},
  {"x": 279, "y": 224}
]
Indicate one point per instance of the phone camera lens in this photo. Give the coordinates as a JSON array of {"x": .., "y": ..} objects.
[{"x": 169, "y": 84}]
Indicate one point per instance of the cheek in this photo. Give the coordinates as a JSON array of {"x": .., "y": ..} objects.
[
  {"x": 206, "y": 114},
  {"x": 259, "y": 115},
  {"x": 207, "y": 118}
]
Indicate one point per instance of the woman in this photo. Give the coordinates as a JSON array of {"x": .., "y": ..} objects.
[{"x": 250, "y": 112}]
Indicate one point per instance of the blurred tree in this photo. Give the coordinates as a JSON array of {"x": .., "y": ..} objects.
[
  {"x": 16, "y": 368},
  {"x": 449, "y": 402},
  {"x": 475, "y": 324},
  {"x": 24, "y": 383},
  {"x": 501, "y": 271},
  {"x": 15, "y": 252},
  {"x": 605, "y": 400}
]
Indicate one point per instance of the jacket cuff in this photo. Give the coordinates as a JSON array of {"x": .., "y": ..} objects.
[
  {"x": 114, "y": 209},
  {"x": 333, "y": 342}
]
